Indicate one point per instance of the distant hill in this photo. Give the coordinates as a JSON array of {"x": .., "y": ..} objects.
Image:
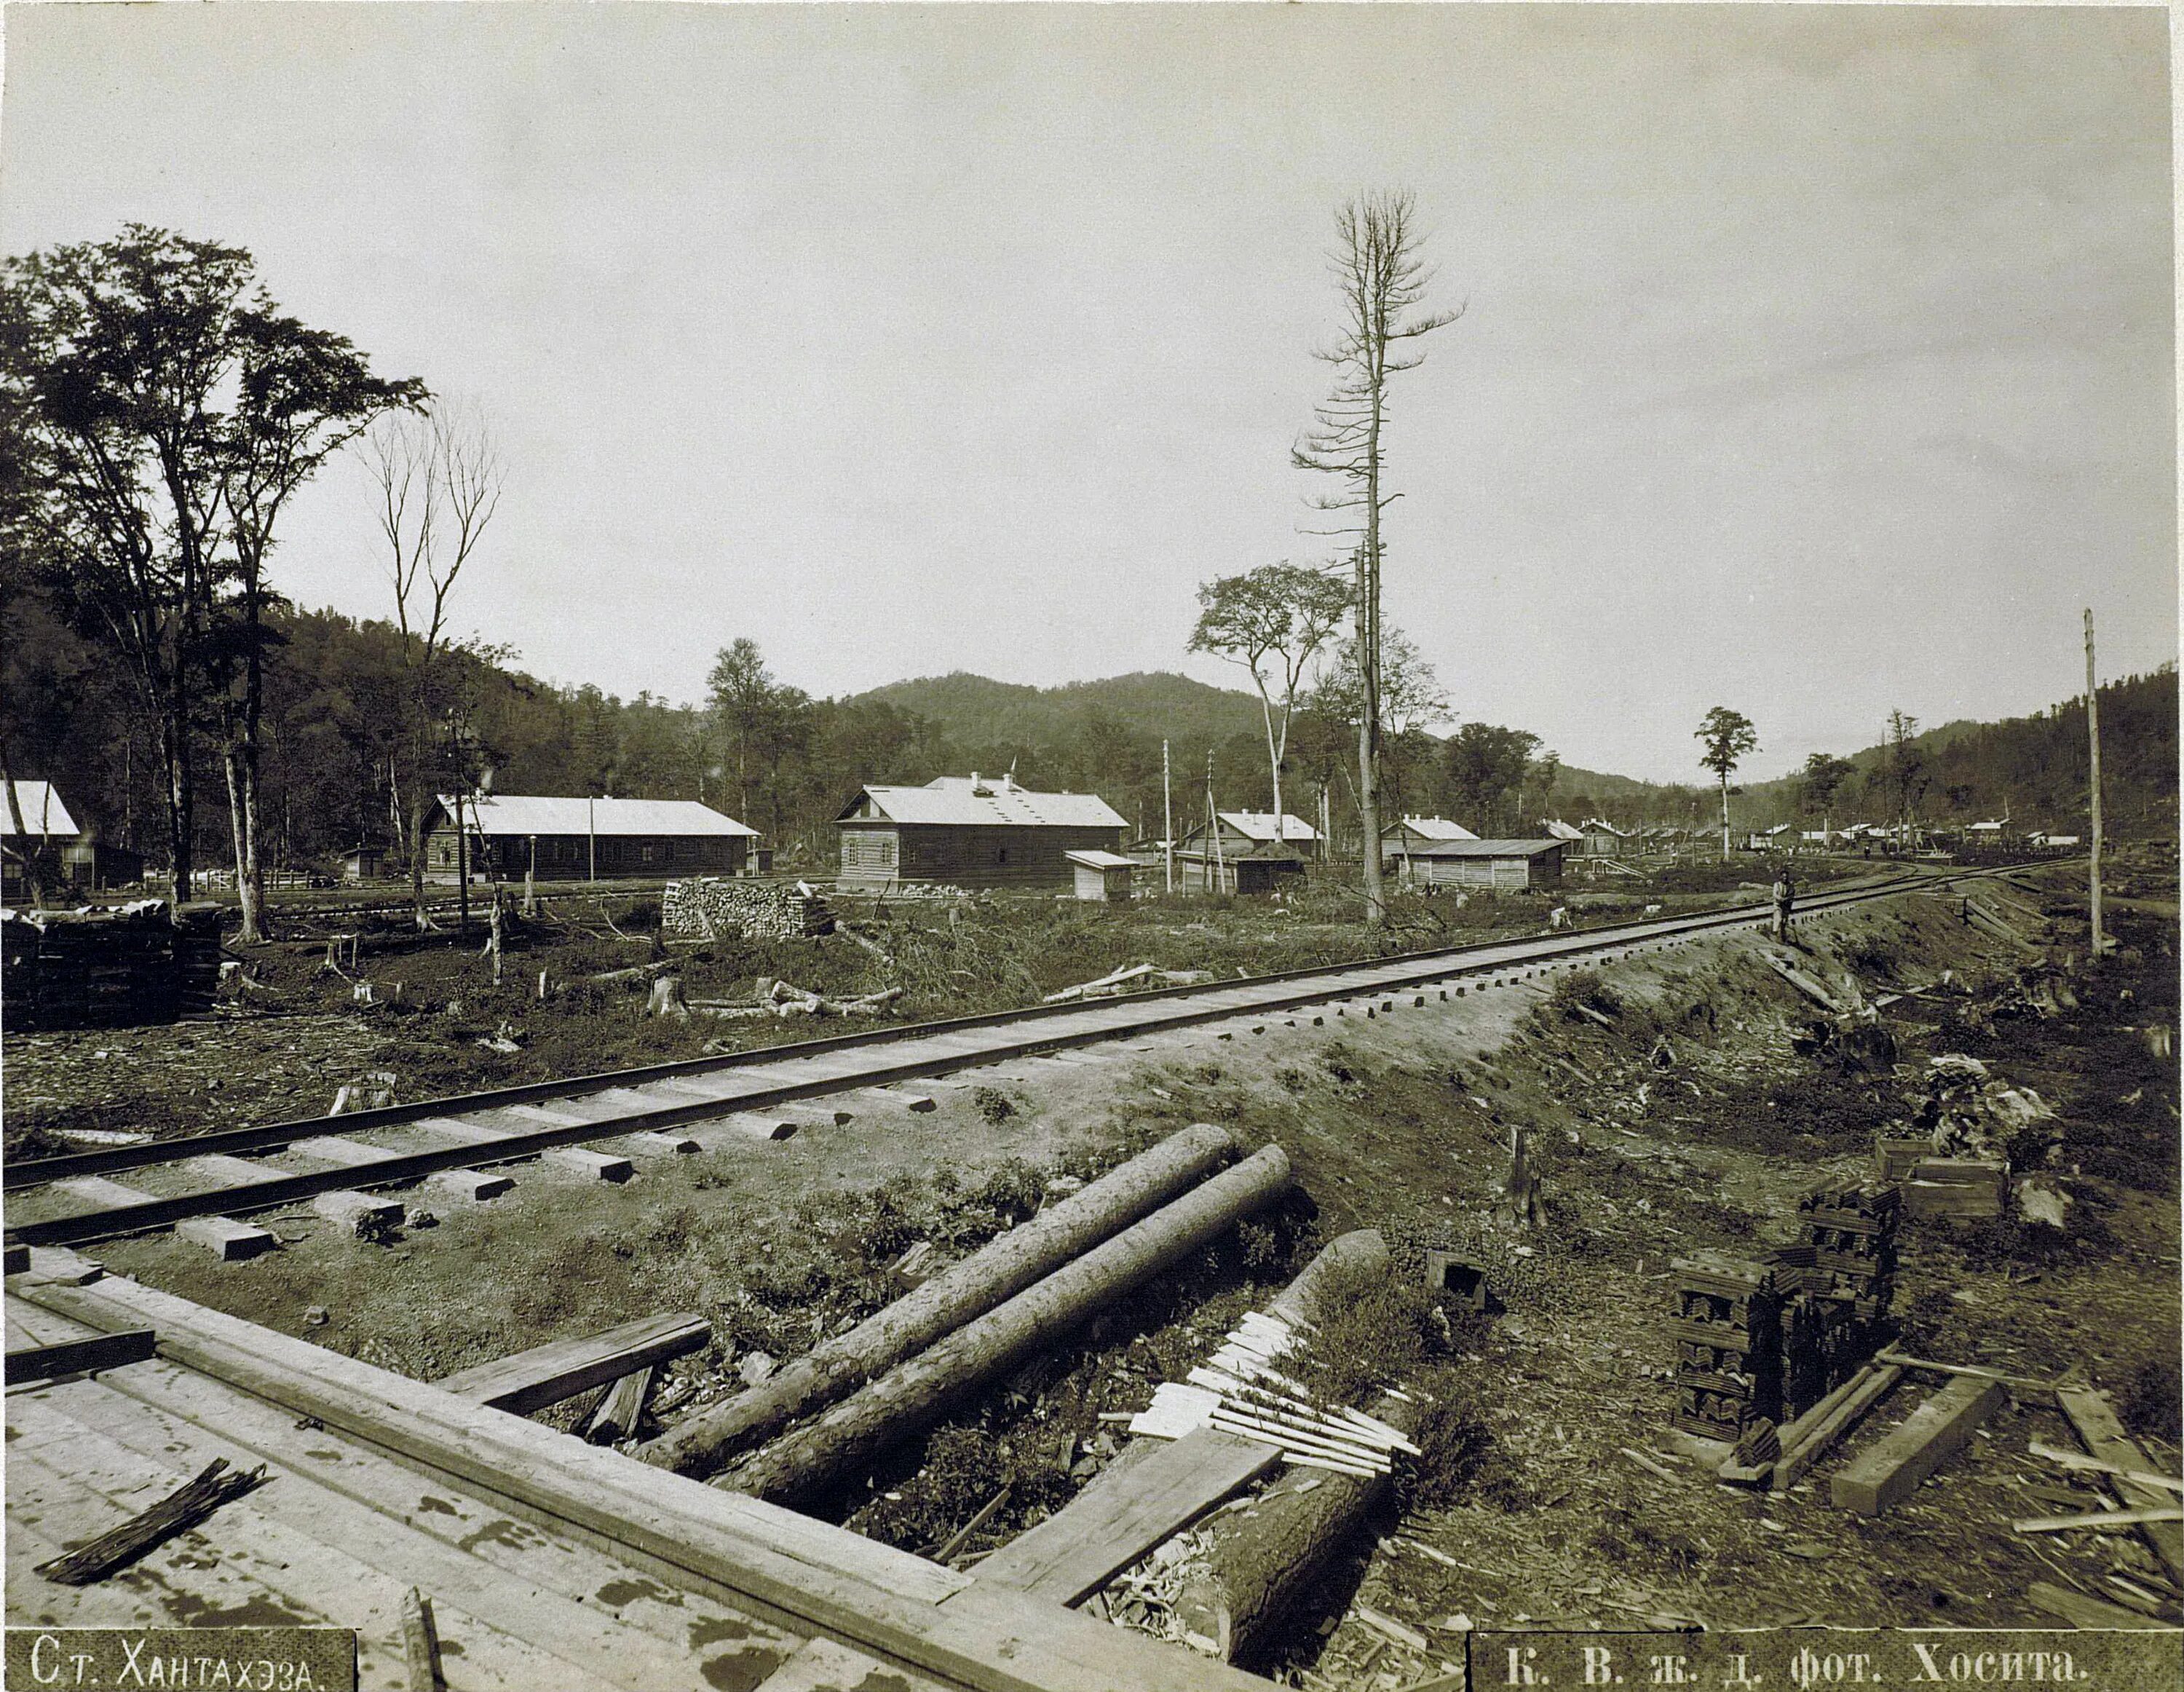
[{"x": 975, "y": 710}]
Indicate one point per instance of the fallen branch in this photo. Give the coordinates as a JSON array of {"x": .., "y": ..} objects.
[
  {"x": 178, "y": 1513},
  {"x": 634, "y": 971},
  {"x": 2102, "y": 1520}
]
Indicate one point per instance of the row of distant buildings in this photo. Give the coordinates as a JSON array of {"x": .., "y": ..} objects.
[{"x": 973, "y": 831}]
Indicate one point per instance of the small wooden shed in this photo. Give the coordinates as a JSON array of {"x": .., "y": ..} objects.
[
  {"x": 1503, "y": 865},
  {"x": 1103, "y": 878}
]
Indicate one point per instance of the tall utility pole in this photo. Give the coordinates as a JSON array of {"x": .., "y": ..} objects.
[
  {"x": 2094, "y": 734},
  {"x": 1167, "y": 820},
  {"x": 1216, "y": 866},
  {"x": 592, "y": 836}
]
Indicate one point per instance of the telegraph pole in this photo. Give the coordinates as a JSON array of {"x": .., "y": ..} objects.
[
  {"x": 2093, "y": 735},
  {"x": 1168, "y": 819}
]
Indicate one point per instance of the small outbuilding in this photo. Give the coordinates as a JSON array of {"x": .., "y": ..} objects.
[
  {"x": 363, "y": 863},
  {"x": 1103, "y": 878},
  {"x": 1499, "y": 865}
]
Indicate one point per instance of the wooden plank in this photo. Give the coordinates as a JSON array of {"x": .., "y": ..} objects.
[
  {"x": 747, "y": 1125},
  {"x": 649, "y": 1145},
  {"x": 360, "y": 1213},
  {"x": 17, "y": 1259},
  {"x": 561, "y": 1369},
  {"x": 459, "y": 1131},
  {"x": 1152, "y": 1493},
  {"x": 352, "y": 1153},
  {"x": 893, "y": 1605},
  {"x": 2082, "y": 1611},
  {"x": 476, "y": 1185},
  {"x": 825, "y": 1665},
  {"x": 78, "y": 1356},
  {"x": 1814, "y": 1437},
  {"x": 597, "y": 1166},
  {"x": 1889, "y": 1471},
  {"x": 2096, "y": 1423},
  {"x": 227, "y": 1240},
  {"x": 218, "y": 1170},
  {"x": 100, "y": 1194},
  {"x": 467, "y": 1553}
]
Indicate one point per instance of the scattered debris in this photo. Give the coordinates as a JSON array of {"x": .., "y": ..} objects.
[{"x": 178, "y": 1513}]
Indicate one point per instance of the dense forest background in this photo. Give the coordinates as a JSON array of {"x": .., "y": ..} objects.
[{"x": 786, "y": 763}]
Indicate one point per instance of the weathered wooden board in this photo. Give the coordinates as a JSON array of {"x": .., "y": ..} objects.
[
  {"x": 1889, "y": 1471},
  {"x": 2104, "y": 1436},
  {"x": 46, "y": 1363},
  {"x": 1152, "y": 1491},
  {"x": 820, "y": 1577},
  {"x": 546, "y": 1374}
]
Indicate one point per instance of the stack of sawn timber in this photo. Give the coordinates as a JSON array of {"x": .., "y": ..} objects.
[
  {"x": 1727, "y": 1328},
  {"x": 94, "y": 969},
  {"x": 813, "y": 1423},
  {"x": 714, "y": 908}
]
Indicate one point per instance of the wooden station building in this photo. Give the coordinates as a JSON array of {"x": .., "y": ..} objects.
[
  {"x": 973, "y": 831},
  {"x": 576, "y": 839}
]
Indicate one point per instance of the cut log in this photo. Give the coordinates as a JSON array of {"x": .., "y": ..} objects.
[
  {"x": 546, "y": 1374},
  {"x": 957, "y": 1295},
  {"x": 2104, "y": 1436},
  {"x": 1890, "y": 1472},
  {"x": 913, "y": 1395},
  {"x": 1262, "y": 1561}
]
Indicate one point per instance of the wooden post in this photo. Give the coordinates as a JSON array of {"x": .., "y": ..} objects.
[
  {"x": 2093, "y": 735},
  {"x": 462, "y": 869},
  {"x": 531, "y": 881},
  {"x": 592, "y": 835},
  {"x": 1167, "y": 817}
]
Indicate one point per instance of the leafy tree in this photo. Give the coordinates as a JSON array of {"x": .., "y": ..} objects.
[
  {"x": 1818, "y": 783},
  {"x": 1729, "y": 738},
  {"x": 1275, "y": 619},
  {"x": 165, "y": 412},
  {"x": 744, "y": 700},
  {"x": 1483, "y": 764},
  {"x": 1383, "y": 281},
  {"x": 1905, "y": 770}
]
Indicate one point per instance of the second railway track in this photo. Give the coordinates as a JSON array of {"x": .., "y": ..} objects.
[{"x": 663, "y": 1108}]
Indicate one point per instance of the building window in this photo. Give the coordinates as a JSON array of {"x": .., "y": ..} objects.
[{"x": 1003, "y": 858}]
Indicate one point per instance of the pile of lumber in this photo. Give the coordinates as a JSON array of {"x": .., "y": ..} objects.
[
  {"x": 134, "y": 964},
  {"x": 716, "y": 908},
  {"x": 1241, "y": 1391}
]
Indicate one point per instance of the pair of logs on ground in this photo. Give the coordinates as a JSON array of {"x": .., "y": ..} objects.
[
  {"x": 915, "y": 1393},
  {"x": 1018, "y": 1259},
  {"x": 1261, "y": 1563}
]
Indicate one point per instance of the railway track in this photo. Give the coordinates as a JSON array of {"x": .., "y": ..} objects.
[{"x": 602, "y": 1126}]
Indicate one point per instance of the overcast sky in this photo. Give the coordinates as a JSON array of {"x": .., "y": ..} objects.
[{"x": 1814, "y": 360}]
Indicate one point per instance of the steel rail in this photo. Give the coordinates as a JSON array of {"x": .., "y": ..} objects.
[{"x": 1147, "y": 1012}]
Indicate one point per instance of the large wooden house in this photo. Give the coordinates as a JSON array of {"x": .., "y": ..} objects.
[
  {"x": 971, "y": 832},
  {"x": 513, "y": 835}
]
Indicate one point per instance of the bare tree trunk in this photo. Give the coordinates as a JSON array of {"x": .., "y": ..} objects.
[
  {"x": 1725, "y": 817},
  {"x": 182, "y": 800}
]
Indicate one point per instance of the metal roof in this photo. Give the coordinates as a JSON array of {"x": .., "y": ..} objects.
[
  {"x": 524, "y": 814},
  {"x": 1487, "y": 849},
  {"x": 969, "y": 800},
  {"x": 1259, "y": 825},
  {"x": 1429, "y": 828},
  {"x": 43, "y": 813}
]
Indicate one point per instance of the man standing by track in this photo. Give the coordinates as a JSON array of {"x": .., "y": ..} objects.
[{"x": 1785, "y": 899}]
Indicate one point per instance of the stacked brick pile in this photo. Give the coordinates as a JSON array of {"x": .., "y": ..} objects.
[
  {"x": 1728, "y": 1333},
  {"x": 101, "y": 969},
  {"x": 714, "y": 908}
]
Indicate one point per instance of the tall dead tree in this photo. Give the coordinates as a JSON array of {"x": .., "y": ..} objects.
[
  {"x": 1383, "y": 282},
  {"x": 437, "y": 480}
]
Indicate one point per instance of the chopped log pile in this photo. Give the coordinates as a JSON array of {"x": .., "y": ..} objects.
[
  {"x": 99, "y": 969},
  {"x": 717, "y": 908}
]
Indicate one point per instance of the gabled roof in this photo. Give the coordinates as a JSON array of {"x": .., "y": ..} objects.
[
  {"x": 1560, "y": 831},
  {"x": 1605, "y": 827},
  {"x": 1259, "y": 825},
  {"x": 43, "y": 813},
  {"x": 994, "y": 799},
  {"x": 523, "y": 814},
  {"x": 1487, "y": 849},
  {"x": 1429, "y": 828}
]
